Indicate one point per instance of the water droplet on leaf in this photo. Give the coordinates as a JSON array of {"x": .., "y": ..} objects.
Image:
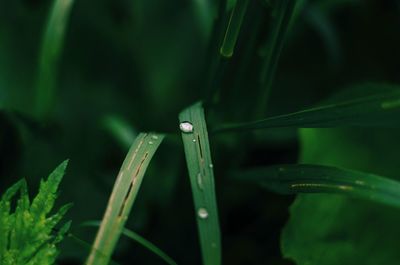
[
  {"x": 186, "y": 127},
  {"x": 202, "y": 213}
]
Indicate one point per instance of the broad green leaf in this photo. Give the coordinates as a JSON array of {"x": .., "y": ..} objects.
[
  {"x": 327, "y": 229},
  {"x": 51, "y": 48},
  {"x": 199, "y": 163},
  {"x": 124, "y": 193},
  {"x": 381, "y": 107},
  {"x": 142, "y": 241},
  {"x": 292, "y": 179}
]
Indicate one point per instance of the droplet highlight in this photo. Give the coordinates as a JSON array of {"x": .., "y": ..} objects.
[
  {"x": 202, "y": 213},
  {"x": 186, "y": 127},
  {"x": 150, "y": 142},
  {"x": 154, "y": 137},
  {"x": 200, "y": 181}
]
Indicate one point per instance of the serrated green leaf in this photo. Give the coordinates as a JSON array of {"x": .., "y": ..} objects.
[
  {"x": 44, "y": 201},
  {"x": 124, "y": 193},
  {"x": 199, "y": 164},
  {"x": 27, "y": 233}
]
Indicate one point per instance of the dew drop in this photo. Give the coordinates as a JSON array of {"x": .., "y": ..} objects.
[
  {"x": 200, "y": 181},
  {"x": 211, "y": 165},
  {"x": 194, "y": 140},
  {"x": 150, "y": 142},
  {"x": 186, "y": 127},
  {"x": 154, "y": 137},
  {"x": 202, "y": 213}
]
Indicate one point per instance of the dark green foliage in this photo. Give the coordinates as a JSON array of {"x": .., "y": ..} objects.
[
  {"x": 289, "y": 179},
  {"x": 28, "y": 235},
  {"x": 80, "y": 79}
]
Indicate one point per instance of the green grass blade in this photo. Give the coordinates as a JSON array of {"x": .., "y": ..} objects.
[
  {"x": 86, "y": 245},
  {"x": 377, "y": 109},
  {"x": 289, "y": 179},
  {"x": 123, "y": 195},
  {"x": 232, "y": 32},
  {"x": 199, "y": 163},
  {"x": 285, "y": 10},
  {"x": 142, "y": 241},
  {"x": 120, "y": 129},
  {"x": 51, "y": 47}
]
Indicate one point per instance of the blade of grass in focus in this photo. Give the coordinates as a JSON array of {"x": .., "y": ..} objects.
[
  {"x": 232, "y": 32},
  {"x": 292, "y": 179},
  {"x": 378, "y": 109},
  {"x": 285, "y": 11},
  {"x": 200, "y": 167},
  {"x": 51, "y": 47},
  {"x": 139, "y": 239},
  {"x": 125, "y": 190}
]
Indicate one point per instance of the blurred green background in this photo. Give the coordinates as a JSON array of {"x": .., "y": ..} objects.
[{"x": 130, "y": 66}]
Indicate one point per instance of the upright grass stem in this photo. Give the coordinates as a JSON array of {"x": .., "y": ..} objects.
[
  {"x": 51, "y": 48},
  {"x": 232, "y": 32},
  {"x": 284, "y": 11},
  {"x": 201, "y": 174}
]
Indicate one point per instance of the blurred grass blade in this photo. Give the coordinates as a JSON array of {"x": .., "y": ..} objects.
[
  {"x": 199, "y": 163},
  {"x": 51, "y": 47},
  {"x": 289, "y": 179},
  {"x": 232, "y": 32},
  {"x": 139, "y": 239},
  {"x": 120, "y": 129},
  {"x": 377, "y": 109},
  {"x": 285, "y": 11},
  {"x": 123, "y": 195}
]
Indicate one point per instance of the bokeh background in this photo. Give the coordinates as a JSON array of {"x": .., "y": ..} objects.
[{"x": 130, "y": 66}]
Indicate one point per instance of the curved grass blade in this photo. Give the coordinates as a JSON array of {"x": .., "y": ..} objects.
[
  {"x": 123, "y": 195},
  {"x": 285, "y": 11},
  {"x": 232, "y": 32},
  {"x": 142, "y": 241},
  {"x": 292, "y": 179},
  {"x": 51, "y": 47},
  {"x": 199, "y": 163},
  {"x": 120, "y": 129},
  {"x": 87, "y": 245},
  {"x": 378, "y": 109}
]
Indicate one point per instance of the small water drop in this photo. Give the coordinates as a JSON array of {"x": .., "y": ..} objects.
[
  {"x": 154, "y": 137},
  {"x": 200, "y": 181},
  {"x": 211, "y": 165},
  {"x": 150, "y": 142},
  {"x": 360, "y": 182},
  {"x": 202, "y": 213},
  {"x": 186, "y": 127},
  {"x": 194, "y": 140}
]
